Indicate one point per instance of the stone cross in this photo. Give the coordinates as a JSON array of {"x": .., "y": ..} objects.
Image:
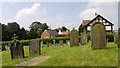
[{"x": 14, "y": 37}]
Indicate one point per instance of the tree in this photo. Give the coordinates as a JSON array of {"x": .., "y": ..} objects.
[
  {"x": 36, "y": 29},
  {"x": 63, "y": 28},
  {"x": 13, "y": 28},
  {"x": 80, "y": 29}
]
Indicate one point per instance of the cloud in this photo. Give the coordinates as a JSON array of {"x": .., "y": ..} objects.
[
  {"x": 61, "y": 20},
  {"x": 106, "y": 9},
  {"x": 27, "y": 15}
]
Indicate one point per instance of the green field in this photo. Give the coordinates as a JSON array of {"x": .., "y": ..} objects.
[{"x": 70, "y": 56}]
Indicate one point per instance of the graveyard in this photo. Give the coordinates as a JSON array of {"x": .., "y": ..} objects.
[
  {"x": 53, "y": 34},
  {"x": 66, "y": 56},
  {"x": 65, "y": 51}
]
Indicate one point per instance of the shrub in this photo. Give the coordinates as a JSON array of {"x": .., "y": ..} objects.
[{"x": 109, "y": 36}]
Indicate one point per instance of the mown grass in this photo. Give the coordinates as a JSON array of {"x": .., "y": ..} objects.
[{"x": 70, "y": 56}]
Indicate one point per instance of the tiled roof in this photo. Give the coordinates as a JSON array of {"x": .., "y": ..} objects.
[
  {"x": 65, "y": 33},
  {"x": 52, "y": 33},
  {"x": 85, "y": 22}
]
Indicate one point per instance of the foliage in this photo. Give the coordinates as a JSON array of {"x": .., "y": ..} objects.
[
  {"x": 109, "y": 36},
  {"x": 12, "y": 28},
  {"x": 36, "y": 29},
  {"x": 80, "y": 29},
  {"x": 63, "y": 29}
]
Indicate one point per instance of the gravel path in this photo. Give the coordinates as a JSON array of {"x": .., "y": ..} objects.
[{"x": 33, "y": 61}]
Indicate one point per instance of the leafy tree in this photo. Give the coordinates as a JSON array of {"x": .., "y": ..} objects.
[
  {"x": 36, "y": 29},
  {"x": 13, "y": 28},
  {"x": 63, "y": 28}
]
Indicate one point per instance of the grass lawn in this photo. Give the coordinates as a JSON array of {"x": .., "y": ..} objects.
[{"x": 70, "y": 56}]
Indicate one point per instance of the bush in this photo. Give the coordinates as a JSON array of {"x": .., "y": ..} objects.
[{"x": 109, "y": 36}]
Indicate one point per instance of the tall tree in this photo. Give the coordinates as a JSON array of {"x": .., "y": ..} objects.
[{"x": 36, "y": 29}]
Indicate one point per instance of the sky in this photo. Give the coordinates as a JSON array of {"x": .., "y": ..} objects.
[{"x": 57, "y": 14}]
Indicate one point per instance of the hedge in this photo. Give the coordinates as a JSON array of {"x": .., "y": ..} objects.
[{"x": 109, "y": 36}]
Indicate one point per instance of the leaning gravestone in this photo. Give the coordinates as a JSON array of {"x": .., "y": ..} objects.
[
  {"x": 98, "y": 35},
  {"x": 34, "y": 48},
  {"x": 16, "y": 49},
  {"x": 60, "y": 42},
  {"x": 116, "y": 38},
  {"x": 83, "y": 38},
  {"x": 74, "y": 41},
  {"x": 119, "y": 38}
]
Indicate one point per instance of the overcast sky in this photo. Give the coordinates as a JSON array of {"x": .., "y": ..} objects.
[{"x": 58, "y": 14}]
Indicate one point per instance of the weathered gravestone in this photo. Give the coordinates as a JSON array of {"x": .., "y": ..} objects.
[
  {"x": 116, "y": 38},
  {"x": 47, "y": 44},
  {"x": 98, "y": 35},
  {"x": 16, "y": 49},
  {"x": 42, "y": 44},
  {"x": 83, "y": 38},
  {"x": 68, "y": 42},
  {"x": 60, "y": 42},
  {"x": 119, "y": 38},
  {"x": 74, "y": 41},
  {"x": 53, "y": 42},
  {"x": 34, "y": 48}
]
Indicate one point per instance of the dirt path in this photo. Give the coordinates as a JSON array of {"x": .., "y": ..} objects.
[{"x": 33, "y": 61}]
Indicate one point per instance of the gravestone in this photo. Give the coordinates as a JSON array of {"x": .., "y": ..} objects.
[
  {"x": 60, "y": 42},
  {"x": 53, "y": 42},
  {"x": 56, "y": 44},
  {"x": 68, "y": 42},
  {"x": 89, "y": 41},
  {"x": 42, "y": 44},
  {"x": 116, "y": 38},
  {"x": 34, "y": 48},
  {"x": 83, "y": 38},
  {"x": 47, "y": 44},
  {"x": 16, "y": 49},
  {"x": 98, "y": 35},
  {"x": 74, "y": 41}
]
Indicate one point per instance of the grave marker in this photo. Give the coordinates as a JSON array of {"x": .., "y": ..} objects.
[
  {"x": 53, "y": 42},
  {"x": 98, "y": 35},
  {"x": 116, "y": 38},
  {"x": 34, "y": 48},
  {"x": 16, "y": 48},
  {"x": 60, "y": 42},
  {"x": 83, "y": 38},
  {"x": 74, "y": 41}
]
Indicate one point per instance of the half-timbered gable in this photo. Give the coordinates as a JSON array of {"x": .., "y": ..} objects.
[{"x": 87, "y": 24}]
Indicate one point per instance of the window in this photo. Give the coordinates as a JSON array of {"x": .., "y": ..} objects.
[
  {"x": 88, "y": 28},
  {"x": 108, "y": 27}
]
